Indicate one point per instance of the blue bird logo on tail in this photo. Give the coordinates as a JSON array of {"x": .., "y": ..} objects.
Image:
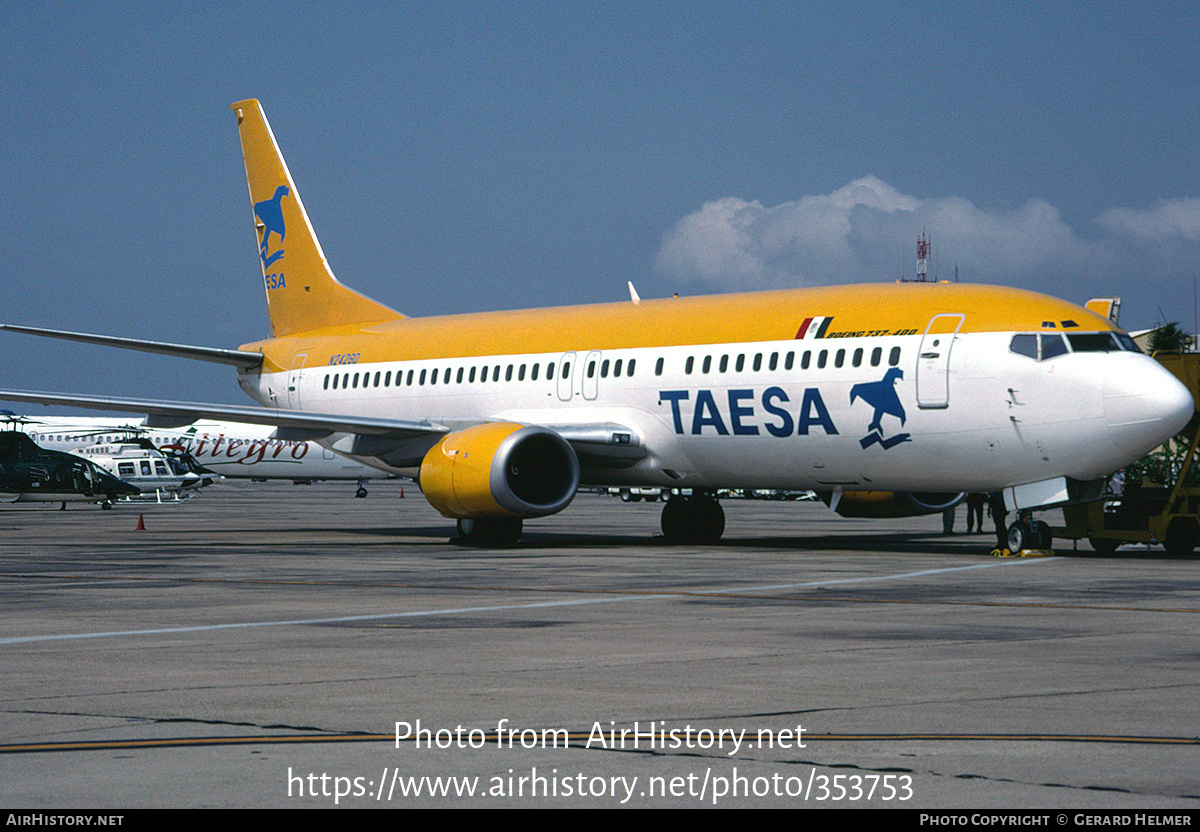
[
  {"x": 270, "y": 212},
  {"x": 882, "y": 396}
]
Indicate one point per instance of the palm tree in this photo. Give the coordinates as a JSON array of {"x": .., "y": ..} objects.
[{"x": 1169, "y": 338}]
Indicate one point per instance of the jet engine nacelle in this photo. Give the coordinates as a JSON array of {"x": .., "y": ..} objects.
[
  {"x": 892, "y": 503},
  {"x": 500, "y": 469}
]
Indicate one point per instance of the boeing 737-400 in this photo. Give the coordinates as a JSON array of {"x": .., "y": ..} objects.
[{"x": 500, "y": 416}]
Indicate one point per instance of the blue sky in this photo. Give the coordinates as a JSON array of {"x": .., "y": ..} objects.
[{"x": 470, "y": 156}]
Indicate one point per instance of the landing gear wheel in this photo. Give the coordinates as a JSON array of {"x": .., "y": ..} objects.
[
  {"x": 489, "y": 531},
  {"x": 709, "y": 519},
  {"x": 696, "y": 519},
  {"x": 1028, "y": 534},
  {"x": 361, "y": 492},
  {"x": 1018, "y": 537},
  {"x": 1104, "y": 545},
  {"x": 1182, "y": 536},
  {"x": 675, "y": 520},
  {"x": 1023, "y": 535}
]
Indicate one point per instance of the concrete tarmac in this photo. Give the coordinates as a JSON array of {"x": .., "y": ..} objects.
[{"x": 258, "y": 645}]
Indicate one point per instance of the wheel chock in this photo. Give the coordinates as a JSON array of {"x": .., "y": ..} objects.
[{"x": 1024, "y": 553}]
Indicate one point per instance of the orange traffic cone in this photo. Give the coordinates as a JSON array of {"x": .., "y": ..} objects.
[{"x": 141, "y": 527}]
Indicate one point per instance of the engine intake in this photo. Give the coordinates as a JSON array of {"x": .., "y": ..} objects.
[{"x": 500, "y": 469}]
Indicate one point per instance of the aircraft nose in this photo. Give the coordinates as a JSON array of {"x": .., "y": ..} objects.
[{"x": 1145, "y": 407}]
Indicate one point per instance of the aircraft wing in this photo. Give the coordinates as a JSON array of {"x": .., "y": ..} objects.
[
  {"x": 399, "y": 442},
  {"x": 291, "y": 424}
]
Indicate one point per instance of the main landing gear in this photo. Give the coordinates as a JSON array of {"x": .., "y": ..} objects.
[
  {"x": 695, "y": 519},
  {"x": 1028, "y": 534},
  {"x": 490, "y": 532},
  {"x": 362, "y": 489}
]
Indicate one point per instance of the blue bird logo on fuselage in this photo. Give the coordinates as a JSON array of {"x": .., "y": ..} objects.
[
  {"x": 270, "y": 212},
  {"x": 882, "y": 396}
]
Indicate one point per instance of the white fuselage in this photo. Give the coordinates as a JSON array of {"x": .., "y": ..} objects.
[
  {"x": 972, "y": 415},
  {"x": 226, "y": 448}
]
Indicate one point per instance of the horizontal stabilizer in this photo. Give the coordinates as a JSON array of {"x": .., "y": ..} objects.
[{"x": 237, "y": 358}]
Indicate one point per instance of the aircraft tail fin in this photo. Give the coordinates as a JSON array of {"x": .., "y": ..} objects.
[{"x": 302, "y": 293}]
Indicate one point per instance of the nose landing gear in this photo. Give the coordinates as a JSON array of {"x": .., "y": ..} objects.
[{"x": 1026, "y": 535}]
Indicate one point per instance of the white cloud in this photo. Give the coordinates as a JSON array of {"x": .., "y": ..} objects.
[
  {"x": 1175, "y": 220},
  {"x": 867, "y": 231}
]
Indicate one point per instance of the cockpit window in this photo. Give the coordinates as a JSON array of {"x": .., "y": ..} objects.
[
  {"x": 1024, "y": 345},
  {"x": 1052, "y": 346},
  {"x": 1093, "y": 342},
  {"x": 1126, "y": 342},
  {"x": 1045, "y": 346}
]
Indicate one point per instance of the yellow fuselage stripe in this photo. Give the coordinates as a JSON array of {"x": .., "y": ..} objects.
[{"x": 844, "y": 311}]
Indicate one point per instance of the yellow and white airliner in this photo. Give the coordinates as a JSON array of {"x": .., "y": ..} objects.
[{"x": 907, "y": 388}]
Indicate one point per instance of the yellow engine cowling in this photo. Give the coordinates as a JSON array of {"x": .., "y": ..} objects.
[
  {"x": 500, "y": 469},
  {"x": 892, "y": 503}
]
